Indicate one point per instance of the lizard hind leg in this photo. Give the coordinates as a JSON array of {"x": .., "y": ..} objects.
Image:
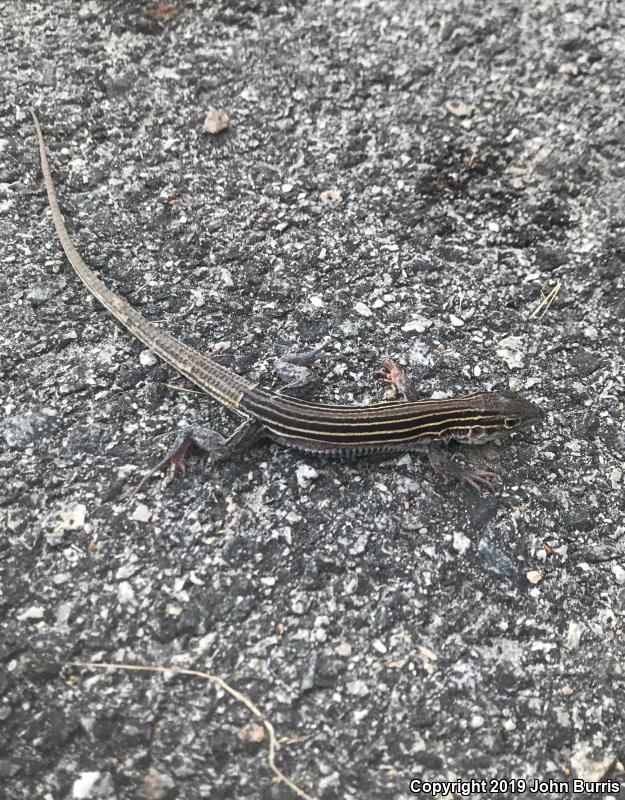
[
  {"x": 295, "y": 369},
  {"x": 213, "y": 443}
]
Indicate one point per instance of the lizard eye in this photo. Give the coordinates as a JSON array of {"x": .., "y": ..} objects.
[{"x": 511, "y": 422}]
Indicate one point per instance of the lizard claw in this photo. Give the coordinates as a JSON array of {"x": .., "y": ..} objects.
[
  {"x": 393, "y": 374},
  {"x": 175, "y": 458},
  {"x": 449, "y": 470},
  {"x": 480, "y": 479},
  {"x": 389, "y": 371}
]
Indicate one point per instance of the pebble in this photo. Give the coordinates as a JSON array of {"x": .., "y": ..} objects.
[
  {"x": 141, "y": 513},
  {"x": 216, "y": 121},
  {"x": 83, "y": 787},
  {"x": 31, "y": 614},
  {"x": 306, "y": 475},
  {"x": 590, "y": 768},
  {"x": 418, "y": 324},
  {"x": 456, "y": 321},
  {"x": 147, "y": 358},
  {"x": 363, "y": 310}
]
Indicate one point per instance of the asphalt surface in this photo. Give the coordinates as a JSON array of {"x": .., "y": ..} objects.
[{"x": 441, "y": 183}]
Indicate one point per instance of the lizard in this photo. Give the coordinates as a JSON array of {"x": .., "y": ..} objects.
[{"x": 331, "y": 430}]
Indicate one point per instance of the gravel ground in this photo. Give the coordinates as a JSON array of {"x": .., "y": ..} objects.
[{"x": 405, "y": 179}]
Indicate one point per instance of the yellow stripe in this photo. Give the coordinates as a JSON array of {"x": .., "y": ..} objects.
[
  {"x": 467, "y": 422},
  {"x": 349, "y": 416}
]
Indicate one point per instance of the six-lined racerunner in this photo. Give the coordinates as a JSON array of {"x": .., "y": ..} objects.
[{"x": 331, "y": 430}]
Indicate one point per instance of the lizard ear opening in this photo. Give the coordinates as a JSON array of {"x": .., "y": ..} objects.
[{"x": 511, "y": 422}]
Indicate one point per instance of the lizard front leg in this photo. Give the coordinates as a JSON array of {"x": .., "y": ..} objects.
[
  {"x": 396, "y": 376},
  {"x": 444, "y": 464}
]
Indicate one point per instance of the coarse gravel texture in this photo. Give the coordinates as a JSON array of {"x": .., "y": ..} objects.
[{"x": 406, "y": 179}]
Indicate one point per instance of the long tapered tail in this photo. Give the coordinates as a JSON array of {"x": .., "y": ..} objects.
[{"x": 216, "y": 380}]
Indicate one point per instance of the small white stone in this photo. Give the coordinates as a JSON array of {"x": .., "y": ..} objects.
[
  {"x": 462, "y": 110},
  {"x": 147, "y": 358},
  {"x": 619, "y": 573},
  {"x": 226, "y": 277},
  {"x": 508, "y": 725},
  {"x": 493, "y": 227},
  {"x": 461, "y": 543},
  {"x": 141, "y": 513},
  {"x": 63, "y": 613},
  {"x": 363, "y": 310},
  {"x": 127, "y": 571},
  {"x": 331, "y": 196},
  {"x": 534, "y": 576},
  {"x": 511, "y": 341},
  {"x": 418, "y": 324},
  {"x": 573, "y": 636},
  {"x": 344, "y": 650},
  {"x": 125, "y": 593},
  {"x": 306, "y": 475},
  {"x": 328, "y": 781},
  {"x": 589, "y": 768},
  {"x": 198, "y": 301},
  {"x": 510, "y": 350},
  {"x": 316, "y": 301},
  {"x": 379, "y": 646},
  {"x": 477, "y": 721},
  {"x": 33, "y": 613},
  {"x": 297, "y": 607},
  {"x": 83, "y": 786},
  {"x": 456, "y": 321},
  {"x": 249, "y": 94},
  {"x": 72, "y": 517},
  {"x": 216, "y": 121},
  {"x": 357, "y": 688}
]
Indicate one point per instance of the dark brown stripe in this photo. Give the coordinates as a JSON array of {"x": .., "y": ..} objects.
[
  {"x": 380, "y": 438},
  {"x": 267, "y": 400},
  {"x": 273, "y": 411}
]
